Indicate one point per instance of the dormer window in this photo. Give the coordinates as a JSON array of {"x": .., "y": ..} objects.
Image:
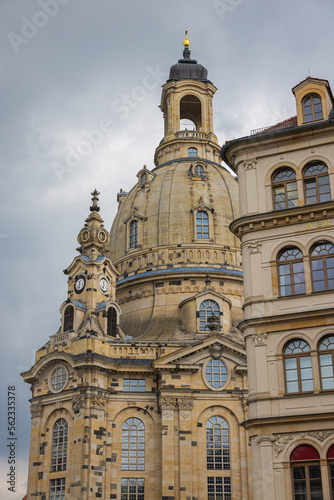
[
  {"x": 133, "y": 226},
  {"x": 198, "y": 170},
  {"x": 312, "y": 108},
  {"x": 192, "y": 152},
  {"x": 143, "y": 179}
]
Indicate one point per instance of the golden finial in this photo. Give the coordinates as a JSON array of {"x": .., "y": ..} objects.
[{"x": 186, "y": 42}]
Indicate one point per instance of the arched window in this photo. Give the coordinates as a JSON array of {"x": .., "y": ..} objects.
[
  {"x": 206, "y": 309},
  {"x": 59, "y": 445},
  {"x": 326, "y": 360},
  {"x": 284, "y": 186},
  {"x": 330, "y": 458},
  {"x": 192, "y": 152},
  {"x": 133, "y": 445},
  {"x": 112, "y": 322},
  {"x": 198, "y": 170},
  {"x": 216, "y": 373},
  {"x": 312, "y": 108},
  {"x": 217, "y": 444},
  {"x": 68, "y": 318},
  {"x": 291, "y": 272},
  {"x": 322, "y": 262},
  {"x": 202, "y": 225},
  {"x": 306, "y": 473},
  {"x": 298, "y": 367},
  {"x": 316, "y": 183},
  {"x": 133, "y": 240}
]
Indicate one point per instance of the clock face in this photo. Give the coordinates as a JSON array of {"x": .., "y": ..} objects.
[
  {"x": 79, "y": 284},
  {"x": 84, "y": 235},
  {"x": 104, "y": 285},
  {"x": 102, "y": 236}
]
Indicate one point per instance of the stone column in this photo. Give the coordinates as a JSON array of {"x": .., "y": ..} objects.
[
  {"x": 325, "y": 481},
  {"x": 262, "y": 460}
]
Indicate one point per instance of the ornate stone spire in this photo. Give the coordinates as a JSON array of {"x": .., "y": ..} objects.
[{"x": 93, "y": 238}]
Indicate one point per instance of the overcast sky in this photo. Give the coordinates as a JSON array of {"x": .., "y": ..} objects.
[{"x": 80, "y": 89}]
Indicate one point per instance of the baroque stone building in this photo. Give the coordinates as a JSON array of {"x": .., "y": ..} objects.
[{"x": 143, "y": 391}]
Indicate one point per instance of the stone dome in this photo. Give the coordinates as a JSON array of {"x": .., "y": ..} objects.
[{"x": 165, "y": 206}]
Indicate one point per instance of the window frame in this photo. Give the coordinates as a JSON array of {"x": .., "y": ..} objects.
[
  {"x": 112, "y": 322},
  {"x": 307, "y": 178},
  {"x": 206, "y": 316},
  {"x": 283, "y": 183},
  {"x": 223, "y": 494},
  {"x": 298, "y": 356},
  {"x": 125, "y": 482},
  {"x": 58, "y": 482},
  {"x": 324, "y": 268},
  {"x": 127, "y": 462},
  {"x": 68, "y": 319},
  {"x": 324, "y": 352},
  {"x": 311, "y": 96},
  {"x": 57, "y": 451},
  {"x": 192, "y": 150},
  {"x": 292, "y": 273},
  {"x": 64, "y": 378},
  {"x": 218, "y": 458}
]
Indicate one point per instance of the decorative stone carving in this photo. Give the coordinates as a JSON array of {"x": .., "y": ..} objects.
[
  {"x": 250, "y": 164},
  {"x": 260, "y": 339},
  {"x": 98, "y": 401},
  {"x": 216, "y": 350},
  {"x": 36, "y": 410},
  {"x": 167, "y": 414},
  {"x": 78, "y": 402},
  {"x": 321, "y": 435},
  {"x": 280, "y": 442},
  {"x": 265, "y": 437},
  {"x": 168, "y": 403},
  {"x": 185, "y": 403},
  {"x": 254, "y": 247}
]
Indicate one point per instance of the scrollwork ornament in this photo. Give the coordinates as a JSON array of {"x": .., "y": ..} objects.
[
  {"x": 321, "y": 435},
  {"x": 185, "y": 403},
  {"x": 260, "y": 339},
  {"x": 250, "y": 164},
  {"x": 78, "y": 402},
  {"x": 168, "y": 403},
  {"x": 98, "y": 401}
]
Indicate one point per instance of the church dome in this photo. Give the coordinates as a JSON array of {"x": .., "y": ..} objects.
[{"x": 170, "y": 240}]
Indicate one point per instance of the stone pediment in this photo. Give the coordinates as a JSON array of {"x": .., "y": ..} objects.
[{"x": 189, "y": 357}]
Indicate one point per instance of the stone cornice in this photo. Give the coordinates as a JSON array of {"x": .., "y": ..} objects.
[
  {"x": 264, "y": 140},
  {"x": 279, "y": 320},
  {"x": 306, "y": 214}
]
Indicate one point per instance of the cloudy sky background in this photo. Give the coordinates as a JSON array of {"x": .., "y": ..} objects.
[{"x": 84, "y": 66}]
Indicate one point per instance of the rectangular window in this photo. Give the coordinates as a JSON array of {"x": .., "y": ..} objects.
[
  {"x": 134, "y": 385},
  {"x": 57, "y": 489},
  {"x": 307, "y": 482},
  {"x": 219, "y": 488},
  {"x": 132, "y": 488}
]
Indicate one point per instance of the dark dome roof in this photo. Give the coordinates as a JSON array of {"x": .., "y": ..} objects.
[{"x": 187, "y": 68}]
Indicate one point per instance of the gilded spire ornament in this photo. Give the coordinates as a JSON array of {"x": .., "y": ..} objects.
[{"x": 186, "y": 43}]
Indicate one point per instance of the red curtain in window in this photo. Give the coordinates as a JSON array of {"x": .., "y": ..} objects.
[{"x": 304, "y": 452}]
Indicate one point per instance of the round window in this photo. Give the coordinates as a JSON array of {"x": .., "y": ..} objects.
[
  {"x": 58, "y": 378},
  {"x": 216, "y": 373},
  {"x": 198, "y": 170}
]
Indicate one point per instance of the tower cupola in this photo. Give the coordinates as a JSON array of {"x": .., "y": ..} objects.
[{"x": 186, "y": 103}]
